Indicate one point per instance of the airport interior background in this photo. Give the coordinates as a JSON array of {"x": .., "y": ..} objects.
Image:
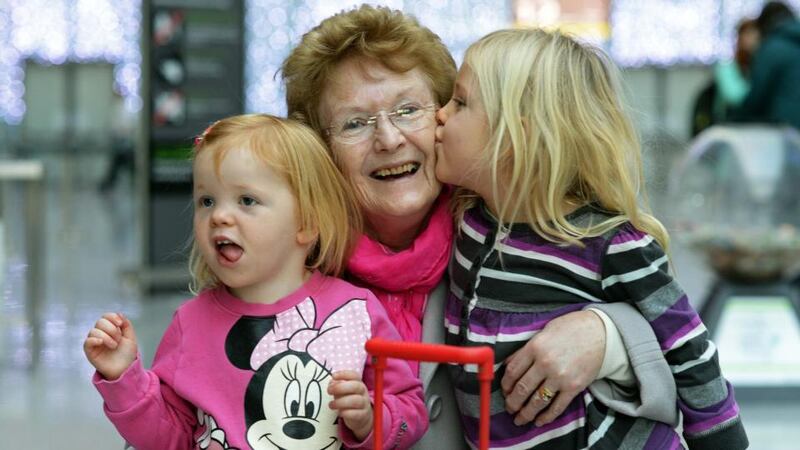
[{"x": 99, "y": 100}]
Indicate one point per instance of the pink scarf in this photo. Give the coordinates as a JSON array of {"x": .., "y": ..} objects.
[{"x": 403, "y": 280}]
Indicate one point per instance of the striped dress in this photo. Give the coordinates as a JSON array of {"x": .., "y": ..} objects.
[{"x": 503, "y": 306}]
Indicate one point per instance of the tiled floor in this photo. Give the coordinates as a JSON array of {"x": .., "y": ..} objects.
[{"x": 91, "y": 240}]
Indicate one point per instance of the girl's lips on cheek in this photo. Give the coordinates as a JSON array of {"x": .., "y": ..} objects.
[{"x": 438, "y": 133}]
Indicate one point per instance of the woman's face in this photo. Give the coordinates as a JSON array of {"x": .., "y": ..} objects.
[{"x": 392, "y": 170}]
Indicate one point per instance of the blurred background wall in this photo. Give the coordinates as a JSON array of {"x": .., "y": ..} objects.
[{"x": 666, "y": 47}]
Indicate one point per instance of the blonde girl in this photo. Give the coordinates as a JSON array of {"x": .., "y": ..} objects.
[
  {"x": 550, "y": 220},
  {"x": 270, "y": 352}
]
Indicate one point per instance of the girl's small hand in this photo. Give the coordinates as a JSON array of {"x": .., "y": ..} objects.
[
  {"x": 111, "y": 345},
  {"x": 351, "y": 400}
]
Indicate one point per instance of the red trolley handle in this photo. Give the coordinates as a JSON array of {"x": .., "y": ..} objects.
[{"x": 382, "y": 349}]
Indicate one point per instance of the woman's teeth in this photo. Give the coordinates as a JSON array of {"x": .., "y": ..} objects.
[{"x": 396, "y": 171}]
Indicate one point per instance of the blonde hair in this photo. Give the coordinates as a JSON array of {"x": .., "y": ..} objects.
[
  {"x": 381, "y": 34},
  {"x": 559, "y": 134},
  {"x": 325, "y": 203}
]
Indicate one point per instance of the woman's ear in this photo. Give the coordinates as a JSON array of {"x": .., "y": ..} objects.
[{"x": 307, "y": 237}]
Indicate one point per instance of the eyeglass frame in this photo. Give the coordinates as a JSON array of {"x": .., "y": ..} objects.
[{"x": 372, "y": 121}]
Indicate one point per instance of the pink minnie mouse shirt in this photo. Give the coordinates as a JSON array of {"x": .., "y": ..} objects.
[{"x": 235, "y": 375}]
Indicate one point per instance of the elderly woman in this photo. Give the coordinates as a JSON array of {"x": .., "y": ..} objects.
[{"x": 369, "y": 80}]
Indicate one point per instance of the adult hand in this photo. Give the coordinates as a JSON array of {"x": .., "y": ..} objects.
[{"x": 558, "y": 362}]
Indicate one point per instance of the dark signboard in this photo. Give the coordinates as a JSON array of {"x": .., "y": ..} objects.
[{"x": 195, "y": 76}]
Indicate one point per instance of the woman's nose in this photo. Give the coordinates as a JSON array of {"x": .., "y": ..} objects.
[{"x": 387, "y": 135}]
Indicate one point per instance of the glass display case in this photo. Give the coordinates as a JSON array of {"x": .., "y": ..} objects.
[{"x": 736, "y": 201}]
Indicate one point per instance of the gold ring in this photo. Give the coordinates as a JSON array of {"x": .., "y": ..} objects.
[{"x": 545, "y": 394}]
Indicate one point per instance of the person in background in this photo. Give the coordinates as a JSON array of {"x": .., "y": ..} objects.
[
  {"x": 270, "y": 353},
  {"x": 774, "y": 95},
  {"x": 550, "y": 220},
  {"x": 730, "y": 83},
  {"x": 123, "y": 127},
  {"x": 369, "y": 81}
]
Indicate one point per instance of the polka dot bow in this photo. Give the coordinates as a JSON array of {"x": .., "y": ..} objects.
[{"x": 338, "y": 344}]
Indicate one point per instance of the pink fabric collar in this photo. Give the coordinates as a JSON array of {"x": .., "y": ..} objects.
[{"x": 403, "y": 280}]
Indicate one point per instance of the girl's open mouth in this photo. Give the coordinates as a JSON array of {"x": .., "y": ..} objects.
[{"x": 229, "y": 251}]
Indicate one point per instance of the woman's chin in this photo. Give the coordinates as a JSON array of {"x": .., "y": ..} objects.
[
  {"x": 411, "y": 195},
  {"x": 411, "y": 206}
]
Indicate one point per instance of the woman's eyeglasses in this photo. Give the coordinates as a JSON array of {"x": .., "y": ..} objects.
[{"x": 408, "y": 118}]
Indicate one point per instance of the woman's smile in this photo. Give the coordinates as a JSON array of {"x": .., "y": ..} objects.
[{"x": 395, "y": 172}]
